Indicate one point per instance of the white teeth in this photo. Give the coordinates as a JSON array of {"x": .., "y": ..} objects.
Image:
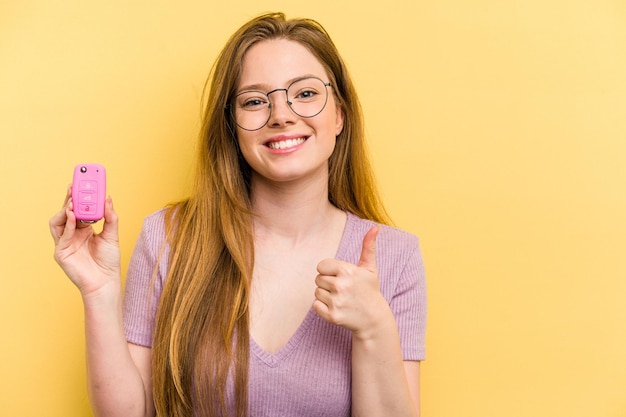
[{"x": 284, "y": 144}]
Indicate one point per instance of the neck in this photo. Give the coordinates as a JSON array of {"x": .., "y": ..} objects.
[{"x": 292, "y": 212}]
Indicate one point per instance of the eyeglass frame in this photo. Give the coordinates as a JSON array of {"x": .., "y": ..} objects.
[{"x": 231, "y": 108}]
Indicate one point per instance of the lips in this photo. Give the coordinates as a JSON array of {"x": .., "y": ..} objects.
[{"x": 286, "y": 143}]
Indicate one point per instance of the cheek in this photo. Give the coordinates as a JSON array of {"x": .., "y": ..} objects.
[{"x": 244, "y": 145}]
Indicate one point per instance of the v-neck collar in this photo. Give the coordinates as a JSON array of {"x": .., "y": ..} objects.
[{"x": 275, "y": 359}]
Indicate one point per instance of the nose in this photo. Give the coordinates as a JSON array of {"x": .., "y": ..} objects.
[{"x": 280, "y": 110}]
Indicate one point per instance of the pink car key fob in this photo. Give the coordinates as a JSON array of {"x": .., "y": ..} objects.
[{"x": 89, "y": 192}]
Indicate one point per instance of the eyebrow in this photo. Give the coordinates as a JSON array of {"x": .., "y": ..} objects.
[{"x": 265, "y": 87}]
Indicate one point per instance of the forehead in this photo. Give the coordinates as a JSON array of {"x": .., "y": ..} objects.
[{"x": 273, "y": 63}]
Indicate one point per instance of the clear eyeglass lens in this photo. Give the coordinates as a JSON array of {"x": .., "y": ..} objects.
[{"x": 306, "y": 97}]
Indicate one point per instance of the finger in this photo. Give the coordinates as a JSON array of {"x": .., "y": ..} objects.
[
  {"x": 57, "y": 222},
  {"x": 321, "y": 309},
  {"x": 368, "y": 251},
  {"x": 68, "y": 195},
  {"x": 110, "y": 228},
  {"x": 323, "y": 295},
  {"x": 325, "y": 282},
  {"x": 68, "y": 228},
  {"x": 328, "y": 267}
]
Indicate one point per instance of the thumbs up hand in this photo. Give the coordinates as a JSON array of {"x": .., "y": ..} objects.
[{"x": 349, "y": 295}]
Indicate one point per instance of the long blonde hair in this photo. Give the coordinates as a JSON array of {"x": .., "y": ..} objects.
[{"x": 201, "y": 341}]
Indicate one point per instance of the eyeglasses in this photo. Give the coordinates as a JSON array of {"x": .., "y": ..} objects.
[{"x": 306, "y": 97}]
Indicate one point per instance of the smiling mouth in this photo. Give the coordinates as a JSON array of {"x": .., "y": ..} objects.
[{"x": 286, "y": 144}]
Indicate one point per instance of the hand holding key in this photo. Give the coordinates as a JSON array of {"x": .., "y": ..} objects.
[{"x": 90, "y": 260}]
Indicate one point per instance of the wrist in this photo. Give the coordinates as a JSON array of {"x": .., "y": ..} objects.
[
  {"x": 381, "y": 327},
  {"x": 109, "y": 294}
]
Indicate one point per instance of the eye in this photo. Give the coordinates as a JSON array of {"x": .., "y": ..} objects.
[
  {"x": 252, "y": 100},
  {"x": 307, "y": 90},
  {"x": 306, "y": 94},
  {"x": 252, "y": 103}
]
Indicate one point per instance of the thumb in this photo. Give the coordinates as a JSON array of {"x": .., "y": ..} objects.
[
  {"x": 368, "y": 252},
  {"x": 110, "y": 228}
]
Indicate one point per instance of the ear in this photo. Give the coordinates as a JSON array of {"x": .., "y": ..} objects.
[{"x": 339, "y": 118}]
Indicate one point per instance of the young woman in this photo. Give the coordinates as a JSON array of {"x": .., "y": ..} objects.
[{"x": 277, "y": 288}]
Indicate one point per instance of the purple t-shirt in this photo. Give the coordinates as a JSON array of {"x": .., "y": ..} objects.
[{"x": 310, "y": 375}]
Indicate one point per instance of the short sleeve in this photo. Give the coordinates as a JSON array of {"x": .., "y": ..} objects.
[
  {"x": 401, "y": 275},
  {"x": 144, "y": 281},
  {"x": 408, "y": 305}
]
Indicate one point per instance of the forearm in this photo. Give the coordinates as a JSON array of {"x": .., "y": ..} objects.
[
  {"x": 379, "y": 382},
  {"x": 114, "y": 382}
]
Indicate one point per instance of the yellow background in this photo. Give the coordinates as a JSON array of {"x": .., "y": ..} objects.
[{"x": 498, "y": 131}]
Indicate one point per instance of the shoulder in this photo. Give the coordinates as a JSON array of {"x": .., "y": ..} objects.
[
  {"x": 398, "y": 257},
  {"x": 156, "y": 224},
  {"x": 151, "y": 250},
  {"x": 389, "y": 237},
  {"x": 152, "y": 235},
  {"x": 394, "y": 247},
  {"x": 153, "y": 229},
  {"x": 155, "y": 220}
]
